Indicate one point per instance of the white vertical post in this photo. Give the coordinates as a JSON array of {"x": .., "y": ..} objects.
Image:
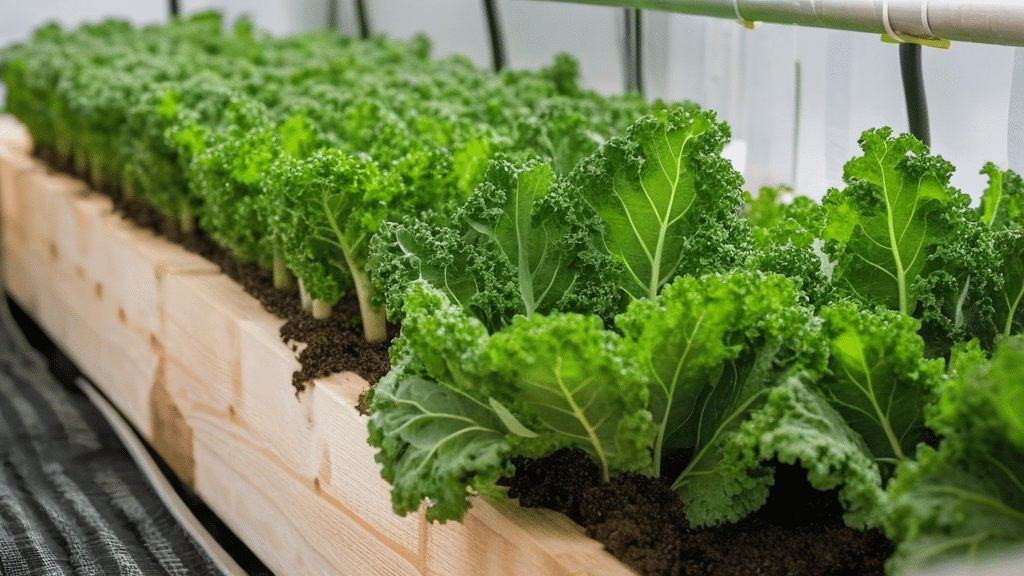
[
  {"x": 838, "y": 86},
  {"x": 769, "y": 91},
  {"x": 1015, "y": 123}
]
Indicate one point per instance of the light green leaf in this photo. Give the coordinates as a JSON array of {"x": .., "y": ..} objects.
[
  {"x": 435, "y": 443},
  {"x": 797, "y": 425},
  {"x": 1001, "y": 202},
  {"x": 896, "y": 208},
  {"x": 573, "y": 387},
  {"x": 966, "y": 499},
  {"x": 671, "y": 205},
  {"x": 709, "y": 345},
  {"x": 510, "y": 421},
  {"x": 878, "y": 379}
]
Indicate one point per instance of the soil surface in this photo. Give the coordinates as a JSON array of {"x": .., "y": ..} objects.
[{"x": 640, "y": 520}]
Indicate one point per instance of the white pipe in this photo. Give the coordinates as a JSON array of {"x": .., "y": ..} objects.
[{"x": 988, "y": 22}]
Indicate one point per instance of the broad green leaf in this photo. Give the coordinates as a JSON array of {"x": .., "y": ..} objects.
[
  {"x": 966, "y": 499},
  {"x": 897, "y": 207},
  {"x": 415, "y": 250},
  {"x": 796, "y": 425},
  {"x": 519, "y": 246},
  {"x": 435, "y": 443},
  {"x": 670, "y": 203},
  {"x": 573, "y": 387},
  {"x": 1001, "y": 203},
  {"x": 713, "y": 348},
  {"x": 1009, "y": 313},
  {"x": 878, "y": 378},
  {"x": 531, "y": 245},
  {"x": 944, "y": 510},
  {"x": 444, "y": 339},
  {"x": 708, "y": 347},
  {"x": 1002, "y": 211}
]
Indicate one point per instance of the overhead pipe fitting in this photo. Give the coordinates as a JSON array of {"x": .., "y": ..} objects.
[{"x": 990, "y": 22}]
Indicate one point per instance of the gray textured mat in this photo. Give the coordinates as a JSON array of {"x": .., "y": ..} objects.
[{"x": 72, "y": 501}]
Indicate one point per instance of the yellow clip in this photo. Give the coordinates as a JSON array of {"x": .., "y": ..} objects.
[
  {"x": 907, "y": 38},
  {"x": 748, "y": 24}
]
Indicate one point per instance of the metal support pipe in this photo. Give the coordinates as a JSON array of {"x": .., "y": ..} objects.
[{"x": 990, "y": 22}]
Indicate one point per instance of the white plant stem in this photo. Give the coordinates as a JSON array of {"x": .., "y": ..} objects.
[
  {"x": 186, "y": 220},
  {"x": 304, "y": 299},
  {"x": 283, "y": 279},
  {"x": 321, "y": 310},
  {"x": 374, "y": 320}
]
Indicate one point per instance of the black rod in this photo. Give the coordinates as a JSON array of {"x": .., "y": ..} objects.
[
  {"x": 173, "y": 8},
  {"x": 363, "y": 18},
  {"x": 638, "y": 42},
  {"x": 498, "y": 57},
  {"x": 913, "y": 90},
  {"x": 332, "y": 15},
  {"x": 633, "y": 51}
]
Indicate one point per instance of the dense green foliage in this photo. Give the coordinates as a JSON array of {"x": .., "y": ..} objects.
[
  {"x": 572, "y": 270},
  {"x": 228, "y": 127},
  {"x": 815, "y": 335}
]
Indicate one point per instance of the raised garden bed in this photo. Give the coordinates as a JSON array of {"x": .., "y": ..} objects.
[{"x": 198, "y": 367}]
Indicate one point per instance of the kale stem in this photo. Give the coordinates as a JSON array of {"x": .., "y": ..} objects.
[
  {"x": 283, "y": 279},
  {"x": 320, "y": 309},
  {"x": 374, "y": 320},
  {"x": 186, "y": 220},
  {"x": 1013, "y": 312}
]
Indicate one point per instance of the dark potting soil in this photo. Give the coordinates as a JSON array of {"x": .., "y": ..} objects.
[{"x": 639, "y": 519}]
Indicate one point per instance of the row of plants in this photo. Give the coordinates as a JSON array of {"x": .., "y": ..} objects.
[
  {"x": 628, "y": 309},
  {"x": 572, "y": 270},
  {"x": 291, "y": 152}
]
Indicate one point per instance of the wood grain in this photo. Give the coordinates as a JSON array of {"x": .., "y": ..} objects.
[{"x": 198, "y": 367}]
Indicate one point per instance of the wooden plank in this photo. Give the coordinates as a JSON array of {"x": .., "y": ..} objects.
[
  {"x": 14, "y": 134},
  {"x": 198, "y": 367}
]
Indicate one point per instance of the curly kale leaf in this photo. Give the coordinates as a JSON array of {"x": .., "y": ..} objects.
[
  {"x": 435, "y": 444},
  {"x": 768, "y": 208},
  {"x": 460, "y": 402},
  {"x": 671, "y": 205},
  {"x": 1002, "y": 211},
  {"x": 786, "y": 241},
  {"x": 432, "y": 421},
  {"x": 797, "y": 425},
  {"x": 713, "y": 348},
  {"x": 564, "y": 131},
  {"x": 897, "y": 207},
  {"x": 1002, "y": 203},
  {"x": 322, "y": 210},
  {"x": 878, "y": 379},
  {"x": 574, "y": 387},
  {"x": 967, "y": 497},
  {"x": 519, "y": 246}
]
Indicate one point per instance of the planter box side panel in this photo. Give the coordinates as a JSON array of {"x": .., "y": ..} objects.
[{"x": 198, "y": 367}]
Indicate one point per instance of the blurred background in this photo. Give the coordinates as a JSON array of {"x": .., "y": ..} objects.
[{"x": 796, "y": 98}]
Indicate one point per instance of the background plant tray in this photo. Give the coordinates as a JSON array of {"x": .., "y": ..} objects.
[{"x": 197, "y": 366}]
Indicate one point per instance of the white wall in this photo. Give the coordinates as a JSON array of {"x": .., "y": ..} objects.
[{"x": 848, "y": 81}]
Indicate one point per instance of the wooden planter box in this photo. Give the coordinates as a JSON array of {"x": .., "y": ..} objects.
[{"x": 197, "y": 366}]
